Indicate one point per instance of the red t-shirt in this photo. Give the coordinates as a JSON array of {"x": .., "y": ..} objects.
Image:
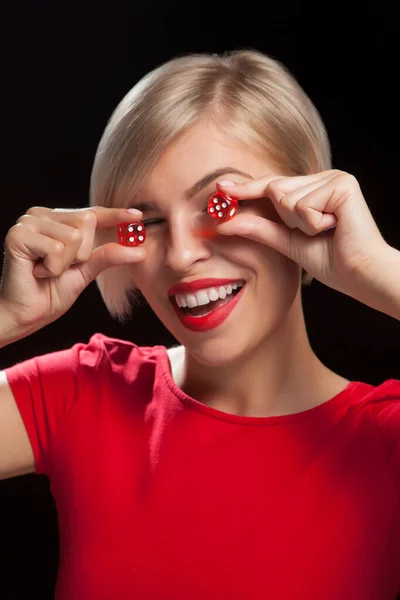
[{"x": 160, "y": 497}]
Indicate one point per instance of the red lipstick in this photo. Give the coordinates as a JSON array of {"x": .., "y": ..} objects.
[
  {"x": 213, "y": 319},
  {"x": 185, "y": 287}
]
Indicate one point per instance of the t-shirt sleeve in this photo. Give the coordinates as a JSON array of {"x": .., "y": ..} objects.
[
  {"x": 385, "y": 410},
  {"x": 45, "y": 389}
]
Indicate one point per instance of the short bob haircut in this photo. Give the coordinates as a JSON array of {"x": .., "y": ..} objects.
[{"x": 246, "y": 93}]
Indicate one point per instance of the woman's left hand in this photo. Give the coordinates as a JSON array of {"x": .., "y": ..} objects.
[{"x": 327, "y": 226}]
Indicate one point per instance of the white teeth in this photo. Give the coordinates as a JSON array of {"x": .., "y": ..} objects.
[
  {"x": 191, "y": 300},
  {"x": 203, "y": 297},
  {"x": 213, "y": 294},
  {"x": 222, "y": 292}
]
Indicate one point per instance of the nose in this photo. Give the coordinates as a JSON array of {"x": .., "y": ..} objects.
[{"x": 186, "y": 244}]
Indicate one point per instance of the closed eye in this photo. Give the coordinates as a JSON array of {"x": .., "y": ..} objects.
[{"x": 149, "y": 222}]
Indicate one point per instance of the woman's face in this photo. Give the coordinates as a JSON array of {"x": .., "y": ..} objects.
[{"x": 177, "y": 252}]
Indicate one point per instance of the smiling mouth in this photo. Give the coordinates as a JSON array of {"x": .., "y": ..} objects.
[{"x": 205, "y": 309}]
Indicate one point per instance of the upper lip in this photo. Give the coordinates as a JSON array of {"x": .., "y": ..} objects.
[{"x": 192, "y": 286}]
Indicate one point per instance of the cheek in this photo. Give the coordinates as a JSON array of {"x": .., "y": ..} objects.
[
  {"x": 272, "y": 265},
  {"x": 147, "y": 272},
  {"x": 252, "y": 255}
]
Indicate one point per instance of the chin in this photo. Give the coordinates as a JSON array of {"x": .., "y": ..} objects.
[{"x": 219, "y": 351}]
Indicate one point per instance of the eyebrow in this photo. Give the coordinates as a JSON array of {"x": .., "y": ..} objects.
[{"x": 195, "y": 189}]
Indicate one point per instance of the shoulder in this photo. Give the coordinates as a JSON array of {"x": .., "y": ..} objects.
[
  {"x": 121, "y": 357},
  {"x": 382, "y": 402},
  {"x": 116, "y": 349},
  {"x": 100, "y": 352}
]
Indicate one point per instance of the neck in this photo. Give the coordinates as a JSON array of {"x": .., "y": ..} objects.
[{"x": 282, "y": 375}]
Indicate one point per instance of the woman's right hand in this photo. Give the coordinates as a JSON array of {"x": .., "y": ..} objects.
[{"x": 49, "y": 260}]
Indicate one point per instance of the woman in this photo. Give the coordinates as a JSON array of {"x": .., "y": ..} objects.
[{"x": 235, "y": 464}]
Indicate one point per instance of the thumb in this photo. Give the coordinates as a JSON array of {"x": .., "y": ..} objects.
[
  {"x": 262, "y": 230},
  {"x": 110, "y": 255}
]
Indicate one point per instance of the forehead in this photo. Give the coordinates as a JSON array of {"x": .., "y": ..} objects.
[{"x": 199, "y": 150}]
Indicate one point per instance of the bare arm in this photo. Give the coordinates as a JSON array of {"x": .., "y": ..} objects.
[
  {"x": 49, "y": 260},
  {"x": 16, "y": 454}
]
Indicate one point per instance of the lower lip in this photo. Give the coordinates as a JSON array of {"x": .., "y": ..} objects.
[{"x": 210, "y": 321}]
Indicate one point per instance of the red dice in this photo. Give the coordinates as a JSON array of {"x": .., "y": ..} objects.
[
  {"x": 131, "y": 234},
  {"x": 222, "y": 207}
]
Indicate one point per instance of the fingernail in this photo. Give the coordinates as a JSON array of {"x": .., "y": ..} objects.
[
  {"x": 226, "y": 182},
  {"x": 134, "y": 211}
]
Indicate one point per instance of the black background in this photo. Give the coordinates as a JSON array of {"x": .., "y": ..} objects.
[{"x": 64, "y": 69}]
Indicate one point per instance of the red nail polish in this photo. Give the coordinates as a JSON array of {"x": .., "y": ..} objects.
[
  {"x": 222, "y": 207},
  {"x": 131, "y": 234}
]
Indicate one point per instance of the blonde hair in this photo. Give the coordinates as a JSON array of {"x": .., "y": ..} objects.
[{"x": 251, "y": 94}]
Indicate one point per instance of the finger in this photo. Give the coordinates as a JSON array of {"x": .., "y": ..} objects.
[
  {"x": 111, "y": 217},
  {"x": 70, "y": 237},
  {"x": 104, "y": 257},
  {"x": 110, "y": 255},
  {"x": 276, "y": 185},
  {"x": 246, "y": 190},
  {"x": 104, "y": 216},
  {"x": 50, "y": 250},
  {"x": 313, "y": 222},
  {"x": 88, "y": 219},
  {"x": 259, "y": 229},
  {"x": 292, "y": 207},
  {"x": 345, "y": 200}
]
